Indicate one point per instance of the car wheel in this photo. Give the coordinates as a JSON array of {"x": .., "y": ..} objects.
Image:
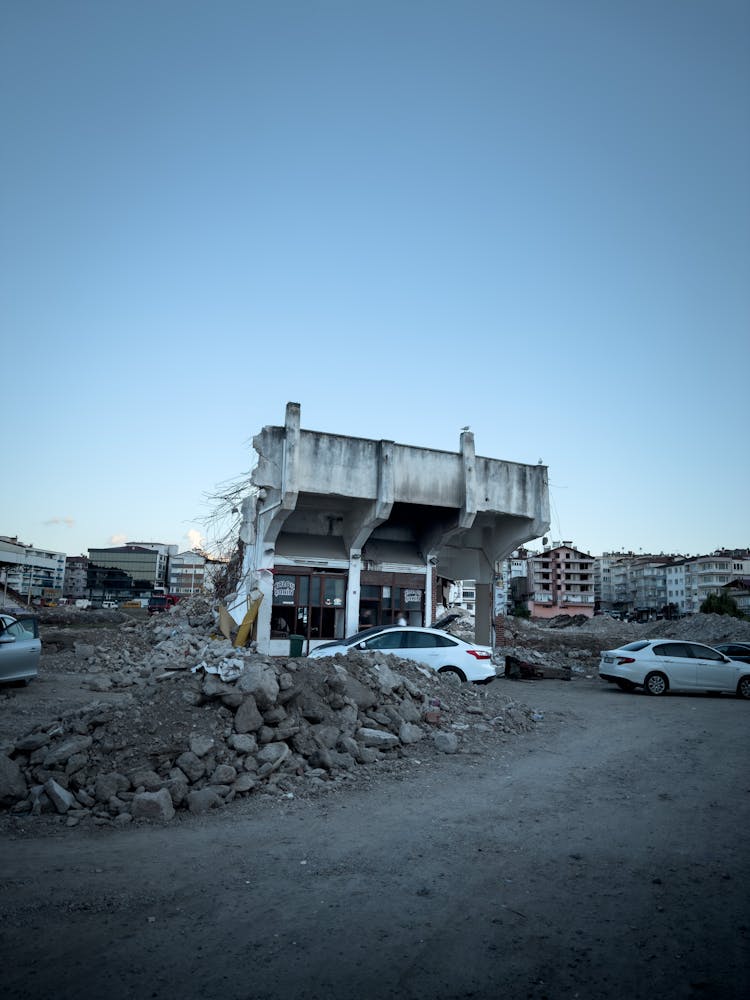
[
  {"x": 625, "y": 685},
  {"x": 656, "y": 684},
  {"x": 453, "y": 670},
  {"x": 743, "y": 688}
]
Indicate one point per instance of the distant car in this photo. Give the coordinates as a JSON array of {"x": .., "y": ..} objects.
[
  {"x": 661, "y": 665},
  {"x": 440, "y": 651},
  {"x": 110, "y": 605},
  {"x": 20, "y": 648},
  {"x": 735, "y": 650}
]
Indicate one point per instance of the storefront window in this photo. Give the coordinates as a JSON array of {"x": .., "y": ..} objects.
[
  {"x": 312, "y": 605},
  {"x": 384, "y": 605}
]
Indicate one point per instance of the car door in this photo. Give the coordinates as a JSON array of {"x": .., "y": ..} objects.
[
  {"x": 676, "y": 661},
  {"x": 425, "y": 647},
  {"x": 20, "y": 650},
  {"x": 713, "y": 673}
]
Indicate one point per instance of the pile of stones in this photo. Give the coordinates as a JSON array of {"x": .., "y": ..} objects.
[{"x": 206, "y": 723}]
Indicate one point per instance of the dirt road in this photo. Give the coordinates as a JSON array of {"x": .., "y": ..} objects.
[{"x": 604, "y": 855}]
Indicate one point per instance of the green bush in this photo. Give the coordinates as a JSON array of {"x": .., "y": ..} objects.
[{"x": 721, "y": 604}]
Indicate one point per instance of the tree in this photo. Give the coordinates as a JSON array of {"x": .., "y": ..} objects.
[{"x": 721, "y": 604}]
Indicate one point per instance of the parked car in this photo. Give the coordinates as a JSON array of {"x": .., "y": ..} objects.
[
  {"x": 661, "y": 665},
  {"x": 735, "y": 650},
  {"x": 110, "y": 605},
  {"x": 20, "y": 648},
  {"x": 432, "y": 647}
]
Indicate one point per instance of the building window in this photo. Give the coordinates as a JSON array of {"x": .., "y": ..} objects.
[
  {"x": 312, "y": 605},
  {"x": 384, "y": 605}
]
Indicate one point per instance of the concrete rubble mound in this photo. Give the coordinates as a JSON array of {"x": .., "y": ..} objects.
[{"x": 203, "y": 723}]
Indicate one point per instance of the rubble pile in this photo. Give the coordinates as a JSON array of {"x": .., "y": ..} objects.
[
  {"x": 204, "y": 722},
  {"x": 575, "y": 645}
]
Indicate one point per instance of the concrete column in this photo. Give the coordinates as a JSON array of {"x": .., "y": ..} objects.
[
  {"x": 429, "y": 592},
  {"x": 352, "y": 593},
  {"x": 263, "y": 625},
  {"x": 290, "y": 466},
  {"x": 469, "y": 506},
  {"x": 483, "y": 614}
]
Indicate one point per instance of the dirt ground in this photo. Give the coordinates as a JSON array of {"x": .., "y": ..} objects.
[{"x": 604, "y": 854}]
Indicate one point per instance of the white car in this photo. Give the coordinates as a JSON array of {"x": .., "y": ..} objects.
[
  {"x": 20, "y": 648},
  {"x": 438, "y": 650},
  {"x": 661, "y": 665}
]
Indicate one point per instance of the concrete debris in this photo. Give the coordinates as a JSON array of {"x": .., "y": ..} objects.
[
  {"x": 200, "y": 722},
  {"x": 575, "y": 648}
]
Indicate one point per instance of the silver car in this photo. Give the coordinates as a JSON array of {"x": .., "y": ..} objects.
[
  {"x": 661, "y": 665},
  {"x": 20, "y": 648}
]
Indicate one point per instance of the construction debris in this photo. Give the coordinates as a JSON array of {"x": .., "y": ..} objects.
[
  {"x": 183, "y": 719},
  {"x": 200, "y": 722}
]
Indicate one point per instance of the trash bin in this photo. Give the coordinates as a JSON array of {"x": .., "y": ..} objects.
[{"x": 295, "y": 645}]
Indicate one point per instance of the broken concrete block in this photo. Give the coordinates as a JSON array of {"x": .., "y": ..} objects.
[
  {"x": 224, "y": 774},
  {"x": 259, "y": 680},
  {"x": 12, "y": 782},
  {"x": 376, "y": 738},
  {"x": 200, "y": 745},
  {"x": 191, "y": 765},
  {"x": 243, "y": 743},
  {"x": 410, "y": 733},
  {"x": 201, "y": 801},
  {"x": 445, "y": 742},
  {"x": 110, "y": 784},
  {"x": 60, "y": 797},
  {"x": 146, "y": 779},
  {"x": 153, "y": 805},
  {"x": 245, "y": 783},
  {"x": 248, "y": 719},
  {"x": 64, "y": 750}
]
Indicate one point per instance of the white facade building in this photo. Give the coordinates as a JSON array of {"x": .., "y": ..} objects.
[
  {"x": 32, "y": 573},
  {"x": 187, "y": 572}
]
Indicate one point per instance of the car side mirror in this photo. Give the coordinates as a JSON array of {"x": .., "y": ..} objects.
[
  {"x": 361, "y": 645},
  {"x": 7, "y": 638}
]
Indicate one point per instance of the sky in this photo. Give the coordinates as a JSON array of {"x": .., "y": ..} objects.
[{"x": 408, "y": 216}]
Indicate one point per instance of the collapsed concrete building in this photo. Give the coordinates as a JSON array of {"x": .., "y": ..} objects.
[{"x": 340, "y": 532}]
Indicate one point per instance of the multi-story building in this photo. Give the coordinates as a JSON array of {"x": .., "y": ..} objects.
[
  {"x": 463, "y": 594},
  {"x": 676, "y": 585},
  {"x": 562, "y": 582},
  {"x": 739, "y": 591},
  {"x": 187, "y": 572},
  {"x": 33, "y": 574},
  {"x": 76, "y": 577},
  {"x": 707, "y": 575},
  {"x": 131, "y": 570},
  {"x": 649, "y": 585}
]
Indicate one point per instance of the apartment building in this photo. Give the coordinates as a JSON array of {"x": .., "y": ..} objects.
[
  {"x": 187, "y": 573},
  {"x": 708, "y": 574},
  {"x": 650, "y": 585},
  {"x": 76, "y": 577},
  {"x": 34, "y": 574},
  {"x": 562, "y": 582}
]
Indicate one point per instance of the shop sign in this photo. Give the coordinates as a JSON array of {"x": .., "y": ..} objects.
[
  {"x": 413, "y": 597},
  {"x": 283, "y": 590}
]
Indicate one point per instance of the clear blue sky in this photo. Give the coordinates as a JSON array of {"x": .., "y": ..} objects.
[{"x": 530, "y": 217}]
